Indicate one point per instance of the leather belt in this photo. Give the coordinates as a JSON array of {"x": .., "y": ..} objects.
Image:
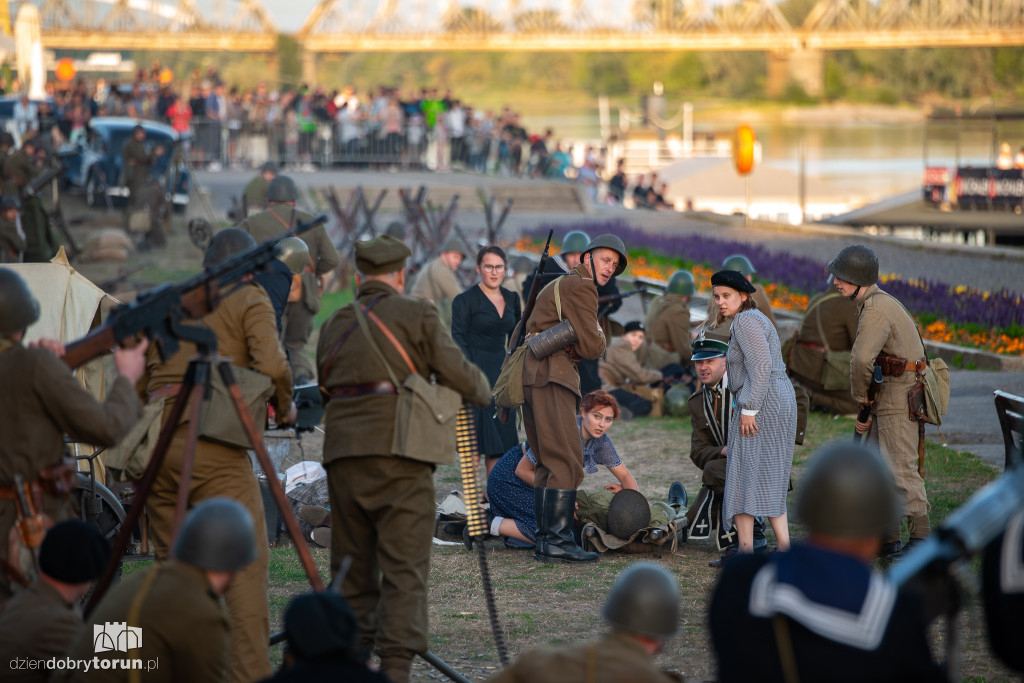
[
  {"x": 812, "y": 345},
  {"x": 10, "y": 493},
  {"x": 365, "y": 389},
  {"x": 166, "y": 391}
]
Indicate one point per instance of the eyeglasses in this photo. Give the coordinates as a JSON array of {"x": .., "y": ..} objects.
[{"x": 493, "y": 269}]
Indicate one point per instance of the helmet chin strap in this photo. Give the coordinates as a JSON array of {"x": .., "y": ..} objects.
[{"x": 856, "y": 293}]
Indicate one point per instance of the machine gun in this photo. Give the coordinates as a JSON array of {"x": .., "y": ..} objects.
[
  {"x": 604, "y": 302},
  {"x": 865, "y": 408},
  {"x": 519, "y": 334},
  {"x": 157, "y": 312}
]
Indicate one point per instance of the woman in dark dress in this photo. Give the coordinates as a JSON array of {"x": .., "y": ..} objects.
[{"x": 483, "y": 318}]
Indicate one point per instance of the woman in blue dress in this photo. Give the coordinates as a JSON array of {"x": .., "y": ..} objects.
[
  {"x": 510, "y": 484},
  {"x": 483, "y": 317}
]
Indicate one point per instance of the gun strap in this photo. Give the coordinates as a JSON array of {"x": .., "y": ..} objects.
[{"x": 558, "y": 300}]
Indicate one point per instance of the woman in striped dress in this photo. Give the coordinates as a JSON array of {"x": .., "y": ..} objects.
[{"x": 761, "y": 441}]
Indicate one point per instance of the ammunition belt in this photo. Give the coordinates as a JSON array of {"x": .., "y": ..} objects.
[
  {"x": 365, "y": 389},
  {"x": 895, "y": 367}
]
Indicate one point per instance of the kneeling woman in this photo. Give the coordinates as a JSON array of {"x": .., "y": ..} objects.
[{"x": 510, "y": 484}]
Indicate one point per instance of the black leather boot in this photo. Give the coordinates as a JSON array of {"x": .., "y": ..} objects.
[
  {"x": 558, "y": 544},
  {"x": 539, "y": 531}
]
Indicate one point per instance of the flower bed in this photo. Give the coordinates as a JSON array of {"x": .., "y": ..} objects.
[{"x": 991, "y": 321}]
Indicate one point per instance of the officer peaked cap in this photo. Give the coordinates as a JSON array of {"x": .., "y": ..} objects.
[
  {"x": 708, "y": 344},
  {"x": 734, "y": 279},
  {"x": 382, "y": 254}
]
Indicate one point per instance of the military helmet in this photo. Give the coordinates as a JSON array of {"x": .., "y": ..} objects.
[
  {"x": 608, "y": 241},
  {"x": 18, "y": 308},
  {"x": 677, "y": 401},
  {"x": 855, "y": 264},
  {"x": 294, "y": 253},
  {"x": 282, "y": 189},
  {"x": 628, "y": 513},
  {"x": 574, "y": 242},
  {"x": 681, "y": 283},
  {"x": 848, "y": 491},
  {"x": 268, "y": 167},
  {"x": 225, "y": 244},
  {"x": 453, "y": 244},
  {"x": 217, "y": 535},
  {"x": 739, "y": 262},
  {"x": 644, "y": 600}
]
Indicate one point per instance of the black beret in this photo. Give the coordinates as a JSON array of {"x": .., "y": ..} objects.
[
  {"x": 74, "y": 551},
  {"x": 734, "y": 279},
  {"x": 634, "y": 326},
  {"x": 319, "y": 625}
]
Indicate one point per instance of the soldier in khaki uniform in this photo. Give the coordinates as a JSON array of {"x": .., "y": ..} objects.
[
  {"x": 247, "y": 335},
  {"x": 835, "y": 316},
  {"x": 437, "y": 281},
  {"x": 282, "y": 216},
  {"x": 42, "y": 621},
  {"x": 19, "y": 170},
  {"x": 642, "y": 609},
  {"x": 551, "y": 388},
  {"x": 176, "y": 603},
  {"x": 668, "y": 323},
  {"x": 137, "y": 160},
  {"x": 886, "y": 336},
  {"x": 383, "y": 505},
  {"x": 12, "y": 236},
  {"x": 40, "y": 402},
  {"x": 623, "y": 377},
  {"x": 741, "y": 263},
  {"x": 255, "y": 191}
]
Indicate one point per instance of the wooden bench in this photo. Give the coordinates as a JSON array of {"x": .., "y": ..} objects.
[{"x": 1010, "y": 410}]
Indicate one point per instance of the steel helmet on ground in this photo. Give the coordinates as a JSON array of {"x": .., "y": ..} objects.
[
  {"x": 644, "y": 600},
  {"x": 628, "y": 513},
  {"x": 608, "y": 241}
]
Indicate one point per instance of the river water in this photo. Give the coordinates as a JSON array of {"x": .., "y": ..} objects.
[{"x": 878, "y": 158}]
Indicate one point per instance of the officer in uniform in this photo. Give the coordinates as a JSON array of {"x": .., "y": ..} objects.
[
  {"x": 830, "y": 319},
  {"x": 41, "y": 402},
  {"x": 255, "y": 191},
  {"x": 820, "y": 612},
  {"x": 668, "y": 323},
  {"x": 42, "y": 621},
  {"x": 551, "y": 389},
  {"x": 383, "y": 505},
  {"x": 741, "y": 263},
  {"x": 886, "y": 336},
  {"x": 437, "y": 281},
  {"x": 246, "y": 335},
  {"x": 710, "y": 412},
  {"x": 12, "y": 236},
  {"x": 642, "y": 609},
  {"x": 176, "y": 604},
  {"x": 281, "y": 216}
]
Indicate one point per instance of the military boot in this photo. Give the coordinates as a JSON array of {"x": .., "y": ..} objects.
[
  {"x": 558, "y": 544},
  {"x": 538, "y": 514}
]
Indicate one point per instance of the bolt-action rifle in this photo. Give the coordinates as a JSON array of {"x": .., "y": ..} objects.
[
  {"x": 865, "y": 408},
  {"x": 157, "y": 312},
  {"x": 519, "y": 334}
]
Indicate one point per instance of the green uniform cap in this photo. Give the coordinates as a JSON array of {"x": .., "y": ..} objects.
[
  {"x": 383, "y": 254},
  {"x": 709, "y": 344}
]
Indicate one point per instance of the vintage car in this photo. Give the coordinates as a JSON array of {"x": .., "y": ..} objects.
[{"x": 97, "y": 165}]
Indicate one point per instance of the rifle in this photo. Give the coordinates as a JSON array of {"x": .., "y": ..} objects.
[
  {"x": 865, "y": 408},
  {"x": 519, "y": 334},
  {"x": 156, "y": 313},
  {"x": 603, "y": 301}
]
